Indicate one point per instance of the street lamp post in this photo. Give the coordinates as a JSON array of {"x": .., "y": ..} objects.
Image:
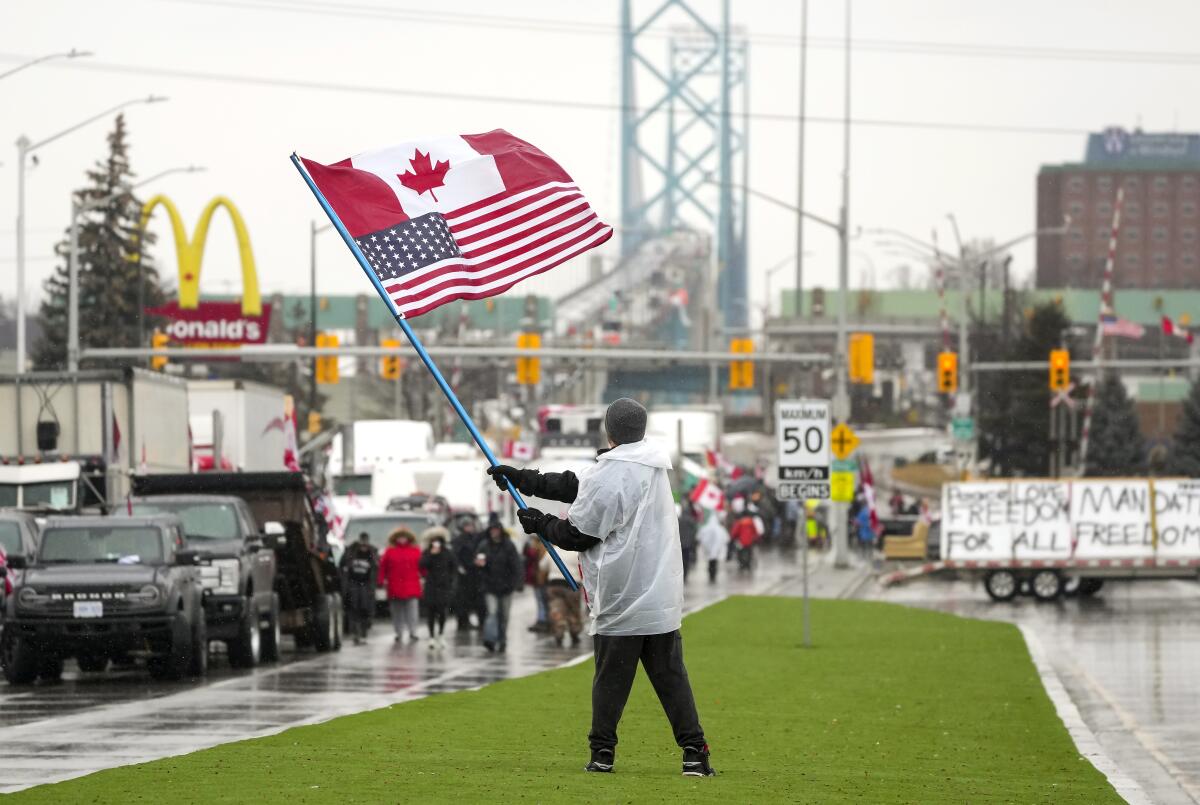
[
  {"x": 24, "y": 148},
  {"x": 77, "y": 210},
  {"x": 71, "y": 54}
]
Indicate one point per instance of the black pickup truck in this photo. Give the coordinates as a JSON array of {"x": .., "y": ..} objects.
[
  {"x": 99, "y": 588},
  {"x": 306, "y": 581},
  {"x": 241, "y": 606}
]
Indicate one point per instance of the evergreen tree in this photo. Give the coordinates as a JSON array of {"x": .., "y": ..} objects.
[
  {"x": 112, "y": 262},
  {"x": 1185, "y": 451},
  {"x": 1117, "y": 447},
  {"x": 1014, "y": 420}
]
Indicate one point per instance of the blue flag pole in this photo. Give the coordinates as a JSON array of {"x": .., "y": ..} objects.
[{"x": 425, "y": 357}]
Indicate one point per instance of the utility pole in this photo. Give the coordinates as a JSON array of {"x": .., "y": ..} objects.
[
  {"x": 841, "y": 400},
  {"x": 800, "y": 164}
]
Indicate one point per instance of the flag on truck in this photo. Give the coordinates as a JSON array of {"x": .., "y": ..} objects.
[
  {"x": 1171, "y": 327},
  {"x": 459, "y": 217}
]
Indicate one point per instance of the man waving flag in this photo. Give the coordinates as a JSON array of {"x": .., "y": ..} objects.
[{"x": 459, "y": 217}]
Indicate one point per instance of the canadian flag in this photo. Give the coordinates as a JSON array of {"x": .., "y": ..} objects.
[
  {"x": 521, "y": 451},
  {"x": 1170, "y": 327},
  {"x": 707, "y": 495}
]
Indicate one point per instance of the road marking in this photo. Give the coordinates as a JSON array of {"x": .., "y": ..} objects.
[
  {"x": 1085, "y": 740},
  {"x": 1144, "y": 738}
]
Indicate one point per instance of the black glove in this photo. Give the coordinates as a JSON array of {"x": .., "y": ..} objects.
[
  {"x": 532, "y": 520},
  {"x": 502, "y": 471}
]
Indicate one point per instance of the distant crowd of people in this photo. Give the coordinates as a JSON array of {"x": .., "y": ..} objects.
[{"x": 470, "y": 577}]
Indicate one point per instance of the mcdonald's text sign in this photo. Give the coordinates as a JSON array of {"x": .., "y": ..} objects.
[{"x": 214, "y": 323}]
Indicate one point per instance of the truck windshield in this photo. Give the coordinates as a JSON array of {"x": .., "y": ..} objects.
[
  {"x": 378, "y": 528},
  {"x": 10, "y": 539},
  {"x": 352, "y": 484},
  {"x": 126, "y": 545},
  {"x": 54, "y": 494},
  {"x": 201, "y": 521}
]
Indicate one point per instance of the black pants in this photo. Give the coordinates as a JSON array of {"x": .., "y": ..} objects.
[
  {"x": 435, "y": 615},
  {"x": 712, "y": 569},
  {"x": 616, "y": 664}
]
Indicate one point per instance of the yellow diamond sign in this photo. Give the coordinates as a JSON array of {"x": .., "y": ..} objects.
[{"x": 843, "y": 441}]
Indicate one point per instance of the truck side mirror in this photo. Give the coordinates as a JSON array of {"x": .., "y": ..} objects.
[
  {"x": 188, "y": 558},
  {"x": 254, "y": 545},
  {"x": 17, "y": 562}
]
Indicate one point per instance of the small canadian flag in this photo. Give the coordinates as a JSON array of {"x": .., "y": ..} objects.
[
  {"x": 1171, "y": 327},
  {"x": 707, "y": 495}
]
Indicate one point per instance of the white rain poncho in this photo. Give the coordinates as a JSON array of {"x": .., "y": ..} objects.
[
  {"x": 634, "y": 577},
  {"x": 713, "y": 538}
]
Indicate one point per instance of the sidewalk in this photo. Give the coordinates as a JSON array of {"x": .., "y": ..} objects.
[{"x": 824, "y": 580}]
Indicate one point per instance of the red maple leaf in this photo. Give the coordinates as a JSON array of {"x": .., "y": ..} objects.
[{"x": 425, "y": 175}]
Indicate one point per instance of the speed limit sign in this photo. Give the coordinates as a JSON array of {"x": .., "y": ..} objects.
[{"x": 802, "y": 429}]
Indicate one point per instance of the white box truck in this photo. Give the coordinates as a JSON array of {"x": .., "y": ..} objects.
[
  {"x": 71, "y": 440},
  {"x": 244, "y": 417}
]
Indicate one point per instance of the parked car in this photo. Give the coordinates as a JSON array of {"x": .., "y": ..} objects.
[
  {"x": 241, "y": 607},
  {"x": 100, "y": 588}
]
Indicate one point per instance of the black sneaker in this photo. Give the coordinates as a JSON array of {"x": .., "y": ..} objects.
[
  {"x": 602, "y": 761},
  {"x": 695, "y": 762}
]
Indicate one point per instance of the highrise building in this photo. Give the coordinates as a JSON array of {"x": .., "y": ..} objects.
[{"x": 1158, "y": 244}]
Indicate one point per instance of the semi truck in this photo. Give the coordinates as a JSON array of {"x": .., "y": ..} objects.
[
  {"x": 69, "y": 441},
  {"x": 1052, "y": 536},
  {"x": 236, "y": 425}
]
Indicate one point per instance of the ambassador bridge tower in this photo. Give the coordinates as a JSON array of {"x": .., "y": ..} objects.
[{"x": 684, "y": 135}]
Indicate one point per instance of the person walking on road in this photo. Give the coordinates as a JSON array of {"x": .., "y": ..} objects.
[
  {"x": 399, "y": 572},
  {"x": 746, "y": 530},
  {"x": 468, "y": 598},
  {"x": 622, "y": 521},
  {"x": 688, "y": 525},
  {"x": 501, "y": 573},
  {"x": 714, "y": 541},
  {"x": 360, "y": 567},
  {"x": 438, "y": 569},
  {"x": 563, "y": 603}
]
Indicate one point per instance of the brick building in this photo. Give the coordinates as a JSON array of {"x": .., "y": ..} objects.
[{"x": 1159, "y": 240}]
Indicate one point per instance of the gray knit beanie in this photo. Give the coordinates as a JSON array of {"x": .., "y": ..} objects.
[{"x": 625, "y": 421}]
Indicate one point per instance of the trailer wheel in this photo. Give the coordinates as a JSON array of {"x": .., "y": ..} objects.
[
  {"x": 324, "y": 623},
  {"x": 1046, "y": 585},
  {"x": 1001, "y": 585},
  {"x": 270, "y": 635},
  {"x": 1089, "y": 587}
]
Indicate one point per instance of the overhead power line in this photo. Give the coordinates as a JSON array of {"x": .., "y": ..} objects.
[
  {"x": 903, "y": 47},
  {"x": 272, "y": 82}
]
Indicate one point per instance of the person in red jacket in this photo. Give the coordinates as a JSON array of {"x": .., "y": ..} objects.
[
  {"x": 746, "y": 530},
  {"x": 400, "y": 573}
]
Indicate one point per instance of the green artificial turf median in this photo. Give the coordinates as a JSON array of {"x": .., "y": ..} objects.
[{"x": 890, "y": 705}]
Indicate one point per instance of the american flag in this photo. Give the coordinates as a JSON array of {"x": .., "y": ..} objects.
[
  {"x": 1116, "y": 326},
  {"x": 463, "y": 217}
]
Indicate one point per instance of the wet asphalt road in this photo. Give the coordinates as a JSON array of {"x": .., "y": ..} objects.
[
  {"x": 88, "y": 722},
  {"x": 1129, "y": 660}
]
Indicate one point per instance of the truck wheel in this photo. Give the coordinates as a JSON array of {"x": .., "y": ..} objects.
[
  {"x": 198, "y": 665},
  {"x": 1089, "y": 587},
  {"x": 324, "y": 624},
  {"x": 92, "y": 663},
  {"x": 177, "y": 659},
  {"x": 1046, "y": 585},
  {"x": 246, "y": 649},
  {"x": 1001, "y": 585},
  {"x": 50, "y": 669},
  {"x": 271, "y": 635},
  {"x": 20, "y": 661}
]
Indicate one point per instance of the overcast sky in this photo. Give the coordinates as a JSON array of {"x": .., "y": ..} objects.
[{"x": 252, "y": 80}]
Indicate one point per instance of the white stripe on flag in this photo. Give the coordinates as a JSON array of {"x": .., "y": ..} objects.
[
  {"x": 480, "y": 247},
  {"x": 414, "y": 307},
  {"x": 559, "y": 203}
]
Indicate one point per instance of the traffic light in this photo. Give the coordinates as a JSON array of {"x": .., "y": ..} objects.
[
  {"x": 158, "y": 341},
  {"x": 529, "y": 370},
  {"x": 862, "y": 358},
  {"x": 327, "y": 365},
  {"x": 741, "y": 373},
  {"x": 1060, "y": 369},
  {"x": 314, "y": 422},
  {"x": 389, "y": 365},
  {"x": 947, "y": 372}
]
